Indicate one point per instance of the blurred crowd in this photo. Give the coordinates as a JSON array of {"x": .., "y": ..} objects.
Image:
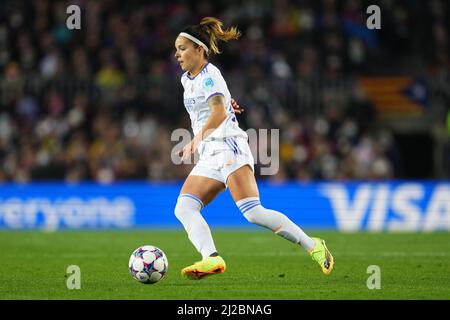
[{"x": 101, "y": 103}]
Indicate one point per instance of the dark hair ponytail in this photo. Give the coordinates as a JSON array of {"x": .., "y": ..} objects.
[{"x": 210, "y": 32}]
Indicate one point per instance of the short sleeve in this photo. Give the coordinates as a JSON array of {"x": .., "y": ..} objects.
[{"x": 213, "y": 84}]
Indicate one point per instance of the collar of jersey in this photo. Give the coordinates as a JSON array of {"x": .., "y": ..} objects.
[{"x": 197, "y": 73}]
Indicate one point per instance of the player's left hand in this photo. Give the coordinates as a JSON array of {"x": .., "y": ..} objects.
[{"x": 236, "y": 107}]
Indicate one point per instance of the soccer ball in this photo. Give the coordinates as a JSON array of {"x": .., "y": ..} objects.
[{"x": 148, "y": 264}]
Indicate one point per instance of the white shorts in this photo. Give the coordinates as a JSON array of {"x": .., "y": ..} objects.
[{"x": 218, "y": 159}]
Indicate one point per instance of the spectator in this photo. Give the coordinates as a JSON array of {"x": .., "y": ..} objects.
[{"x": 99, "y": 103}]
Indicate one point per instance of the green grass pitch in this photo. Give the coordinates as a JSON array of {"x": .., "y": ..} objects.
[{"x": 260, "y": 265}]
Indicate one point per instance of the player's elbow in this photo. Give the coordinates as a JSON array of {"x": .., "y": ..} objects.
[{"x": 220, "y": 117}]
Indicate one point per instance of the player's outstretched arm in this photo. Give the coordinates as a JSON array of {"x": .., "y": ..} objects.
[{"x": 218, "y": 115}]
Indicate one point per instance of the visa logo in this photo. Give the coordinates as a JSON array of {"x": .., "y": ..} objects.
[{"x": 387, "y": 206}]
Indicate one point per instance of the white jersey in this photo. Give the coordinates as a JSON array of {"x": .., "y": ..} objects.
[{"x": 197, "y": 90}]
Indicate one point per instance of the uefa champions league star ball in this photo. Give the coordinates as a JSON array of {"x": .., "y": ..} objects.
[{"x": 148, "y": 264}]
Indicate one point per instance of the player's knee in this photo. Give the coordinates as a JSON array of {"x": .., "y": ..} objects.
[
  {"x": 250, "y": 208},
  {"x": 186, "y": 205},
  {"x": 179, "y": 210},
  {"x": 251, "y": 217},
  {"x": 265, "y": 217},
  {"x": 258, "y": 215}
]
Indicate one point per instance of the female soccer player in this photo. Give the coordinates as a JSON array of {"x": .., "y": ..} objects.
[{"x": 225, "y": 157}]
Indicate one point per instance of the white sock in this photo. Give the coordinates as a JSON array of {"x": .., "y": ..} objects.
[
  {"x": 187, "y": 211},
  {"x": 254, "y": 212}
]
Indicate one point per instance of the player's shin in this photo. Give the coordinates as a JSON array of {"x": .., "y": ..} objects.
[
  {"x": 187, "y": 211},
  {"x": 275, "y": 221}
]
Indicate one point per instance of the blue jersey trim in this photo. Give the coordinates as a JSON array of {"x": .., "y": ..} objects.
[
  {"x": 236, "y": 145},
  {"x": 231, "y": 146},
  {"x": 201, "y": 72},
  {"x": 215, "y": 94}
]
